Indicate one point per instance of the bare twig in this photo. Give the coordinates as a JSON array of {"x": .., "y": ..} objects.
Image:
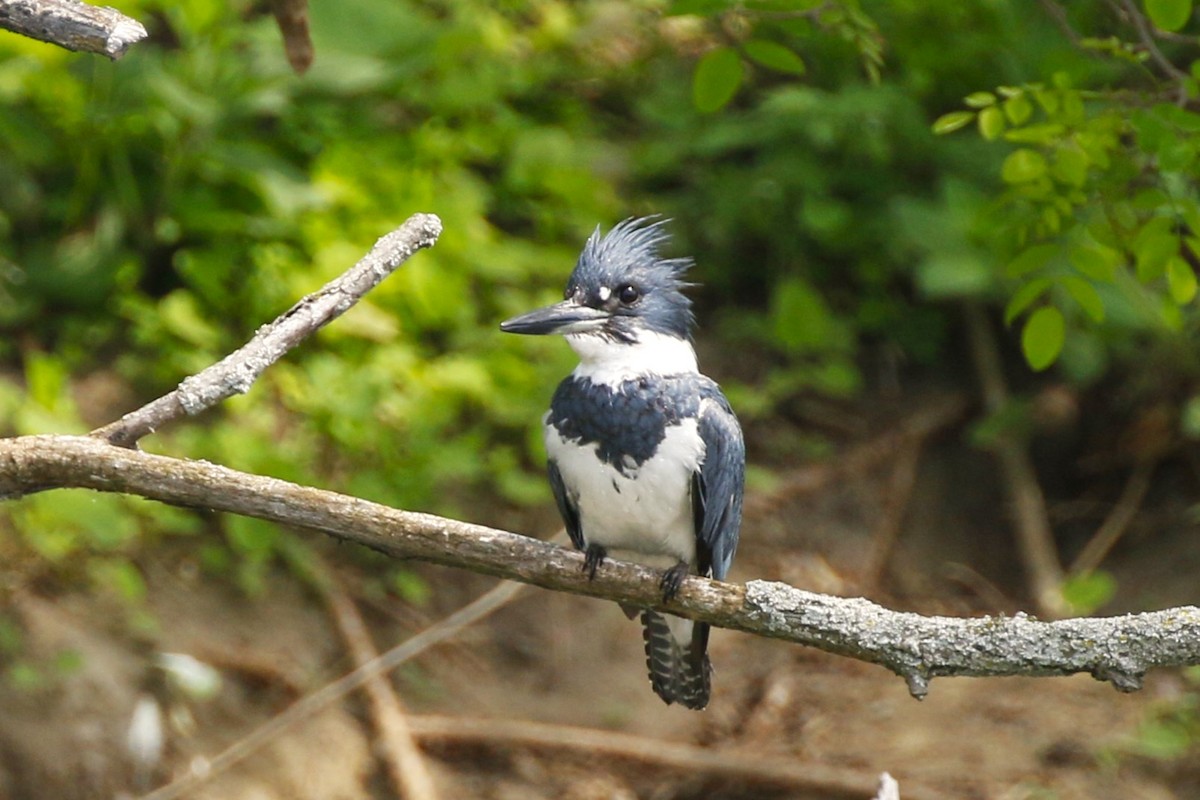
[
  {"x": 927, "y": 420},
  {"x": 235, "y": 373},
  {"x": 1035, "y": 539},
  {"x": 73, "y": 25},
  {"x": 891, "y": 515},
  {"x": 1117, "y": 521},
  {"x": 1142, "y": 26},
  {"x": 747, "y": 769},
  {"x": 292, "y": 18},
  {"x": 1117, "y": 649},
  {"x": 406, "y": 765},
  {"x": 1059, "y": 14},
  {"x": 330, "y": 693}
]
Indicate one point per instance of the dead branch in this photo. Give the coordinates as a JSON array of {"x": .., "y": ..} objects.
[
  {"x": 235, "y": 373},
  {"x": 292, "y": 18},
  {"x": 1118, "y": 520},
  {"x": 748, "y": 769},
  {"x": 1035, "y": 538},
  {"x": 933, "y": 416},
  {"x": 405, "y": 764},
  {"x": 918, "y": 648},
  {"x": 203, "y": 770},
  {"x": 73, "y": 25},
  {"x": 897, "y": 494}
]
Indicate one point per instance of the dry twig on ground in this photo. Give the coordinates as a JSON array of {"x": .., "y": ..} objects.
[
  {"x": 406, "y": 765},
  {"x": 309, "y": 705},
  {"x": 748, "y": 769}
]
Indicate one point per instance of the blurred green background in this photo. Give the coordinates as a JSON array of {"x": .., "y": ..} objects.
[{"x": 846, "y": 175}]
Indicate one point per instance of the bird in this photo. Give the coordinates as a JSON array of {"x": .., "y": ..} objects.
[{"x": 645, "y": 456}]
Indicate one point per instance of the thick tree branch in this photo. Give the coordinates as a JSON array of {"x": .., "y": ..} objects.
[
  {"x": 73, "y": 25},
  {"x": 235, "y": 373},
  {"x": 918, "y": 648}
]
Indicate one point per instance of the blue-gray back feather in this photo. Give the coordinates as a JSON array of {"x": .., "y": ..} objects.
[{"x": 718, "y": 486}]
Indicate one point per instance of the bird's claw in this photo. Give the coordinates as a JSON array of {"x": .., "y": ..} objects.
[
  {"x": 592, "y": 558},
  {"x": 672, "y": 580}
]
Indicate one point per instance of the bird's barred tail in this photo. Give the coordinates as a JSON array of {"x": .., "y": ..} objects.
[{"x": 680, "y": 671}]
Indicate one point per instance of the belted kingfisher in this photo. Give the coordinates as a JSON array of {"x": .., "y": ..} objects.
[{"x": 645, "y": 456}]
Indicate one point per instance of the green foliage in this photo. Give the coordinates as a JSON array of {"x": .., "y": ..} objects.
[
  {"x": 1170, "y": 15},
  {"x": 1171, "y": 732},
  {"x": 1087, "y": 593},
  {"x": 1098, "y": 207},
  {"x": 717, "y": 78},
  {"x": 1042, "y": 338},
  {"x": 723, "y": 70}
]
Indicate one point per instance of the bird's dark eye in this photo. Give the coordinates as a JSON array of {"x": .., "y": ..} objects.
[{"x": 628, "y": 294}]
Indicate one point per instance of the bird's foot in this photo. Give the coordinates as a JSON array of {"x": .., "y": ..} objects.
[
  {"x": 592, "y": 558},
  {"x": 672, "y": 579}
]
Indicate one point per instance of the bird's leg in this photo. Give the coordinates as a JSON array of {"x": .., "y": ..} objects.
[
  {"x": 592, "y": 558},
  {"x": 672, "y": 579}
]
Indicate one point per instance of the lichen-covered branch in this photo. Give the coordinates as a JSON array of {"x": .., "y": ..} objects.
[
  {"x": 1116, "y": 649},
  {"x": 73, "y": 25},
  {"x": 235, "y": 373}
]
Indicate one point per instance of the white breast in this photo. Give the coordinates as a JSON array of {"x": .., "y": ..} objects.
[{"x": 644, "y": 515}]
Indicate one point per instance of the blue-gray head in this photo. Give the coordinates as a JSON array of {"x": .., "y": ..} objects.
[{"x": 620, "y": 287}]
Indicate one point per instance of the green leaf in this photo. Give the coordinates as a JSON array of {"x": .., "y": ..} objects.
[
  {"x": 1023, "y": 298},
  {"x": 1153, "y": 251},
  {"x": 1088, "y": 592},
  {"x": 955, "y": 273},
  {"x": 1189, "y": 423},
  {"x": 46, "y": 378},
  {"x": 716, "y": 79},
  {"x": 1071, "y": 166},
  {"x": 1044, "y": 133},
  {"x": 1181, "y": 280},
  {"x": 1018, "y": 109},
  {"x": 980, "y": 99},
  {"x": 800, "y": 317},
  {"x": 119, "y": 576},
  {"x": 1098, "y": 263},
  {"x": 1169, "y": 15},
  {"x": 1085, "y": 294},
  {"x": 1031, "y": 259},
  {"x": 1048, "y": 100},
  {"x": 948, "y": 123},
  {"x": 1043, "y": 336},
  {"x": 251, "y": 536},
  {"x": 991, "y": 123},
  {"x": 1023, "y": 166},
  {"x": 773, "y": 55},
  {"x": 1165, "y": 740}
]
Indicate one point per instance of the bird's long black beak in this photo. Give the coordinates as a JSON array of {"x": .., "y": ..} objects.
[{"x": 565, "y": 317}]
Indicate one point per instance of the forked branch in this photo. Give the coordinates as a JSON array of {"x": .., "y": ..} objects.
[{"x": 1117, "y": 649}]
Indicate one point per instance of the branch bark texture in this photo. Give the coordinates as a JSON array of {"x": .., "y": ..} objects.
[
  {"x": 918, "y": 648},
  {"x": 73, "y": 25}
]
